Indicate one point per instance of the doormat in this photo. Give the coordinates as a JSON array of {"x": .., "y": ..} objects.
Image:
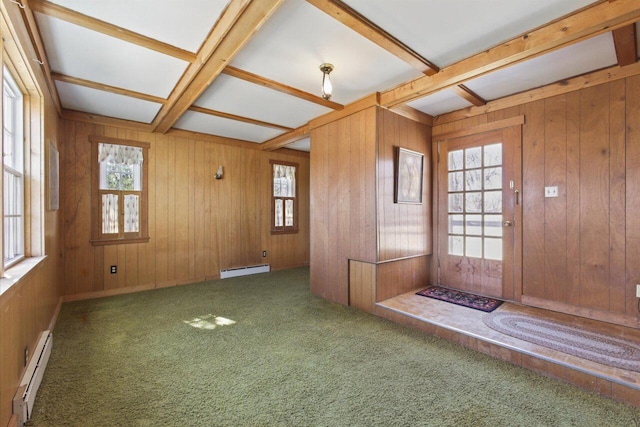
[
  {"x": 597, "y": 347},
  {"x": 461, "y": 298}
]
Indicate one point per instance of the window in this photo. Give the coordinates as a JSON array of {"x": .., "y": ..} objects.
[
  {"x": 119, "y": 198},
  {"x": 284, "y": 207},
  {"x": 13, "y": 170}
]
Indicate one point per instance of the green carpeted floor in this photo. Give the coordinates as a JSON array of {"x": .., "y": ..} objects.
[{"x": 173, "y": 357}]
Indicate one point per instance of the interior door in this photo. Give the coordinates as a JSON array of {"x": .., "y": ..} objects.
[{"x": 478, "y": 205}]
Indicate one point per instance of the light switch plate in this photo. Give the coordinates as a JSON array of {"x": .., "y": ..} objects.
[
  {"x": 551, "y": 191},
  {"x": 637, "y": 291}
]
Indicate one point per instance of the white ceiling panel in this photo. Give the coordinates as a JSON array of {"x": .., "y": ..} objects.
[
  {"x": 79, "y": 52},
  {"x": 445, "y": 32},
  {"x": 88, "y": 100},
  {"x": 183, "y": 23},
  {"x": 290, "y": 47},
  {"x": 440, "y": 102},
  {"x": 589, "y": 55},
  {"x": 302, "y": 145},
  {"x": 242, "y": 98},
  {"x": 212, "y": 125}
]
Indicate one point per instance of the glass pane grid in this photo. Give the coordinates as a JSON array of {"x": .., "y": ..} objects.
[{"x": 475, "y": 202}]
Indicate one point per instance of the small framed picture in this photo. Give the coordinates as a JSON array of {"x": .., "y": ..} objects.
[{"x": 408, "y": 171}]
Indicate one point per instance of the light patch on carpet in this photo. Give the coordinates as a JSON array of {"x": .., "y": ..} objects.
[{"x": 209, "y": 321}]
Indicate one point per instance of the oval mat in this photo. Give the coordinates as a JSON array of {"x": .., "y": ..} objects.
[{"x": 594, "y": 346}]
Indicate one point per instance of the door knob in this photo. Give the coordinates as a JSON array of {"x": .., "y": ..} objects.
[{"x": 507, "y": 223}]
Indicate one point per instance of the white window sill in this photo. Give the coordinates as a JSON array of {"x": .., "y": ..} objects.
[{"x": 19, "y": 271}]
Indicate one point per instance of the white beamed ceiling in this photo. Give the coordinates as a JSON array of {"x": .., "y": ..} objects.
[{"x": 289, "y": 48}]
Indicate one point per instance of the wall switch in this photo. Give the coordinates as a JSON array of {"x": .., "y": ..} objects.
[
  {"x": 264, "y": 254},
  {"x": 114, "y": 269},
  {"x": 637, "y": 291},
  {"x": 551, "y": 191}
]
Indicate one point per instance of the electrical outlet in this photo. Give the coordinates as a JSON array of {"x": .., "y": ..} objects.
[
  {"x": 637, "y": 291},
  {"x": 114, "y": 269},
  {"x": 264, "y": 254},
  {"x": 551, "y": 191}
]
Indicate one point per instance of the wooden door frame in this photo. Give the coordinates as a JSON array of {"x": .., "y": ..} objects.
[{"x": 515, "y": 125}]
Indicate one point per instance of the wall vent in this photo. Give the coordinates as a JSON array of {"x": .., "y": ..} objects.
[
  {"x": 26, "y": 395},
  {"x": 244, "y": 271}
]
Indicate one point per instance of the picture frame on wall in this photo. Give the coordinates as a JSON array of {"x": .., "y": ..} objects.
[
  {"x": 408, "y": 171},
  {"x": 54, "y": 178}
]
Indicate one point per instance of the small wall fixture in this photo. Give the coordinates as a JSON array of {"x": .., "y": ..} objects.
[
  {"x": 327, "y": 87},
  {"x": 218, "y": 174}
]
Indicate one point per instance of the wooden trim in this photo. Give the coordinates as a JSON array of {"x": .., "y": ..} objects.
[
  {"x": 235, "y": 28},
  {"x": 56, "y": 313},
  {"x": 359, "y": 105},
  {"x": 271, "y": 84},
  {"x": 106, "y": 88},
  {"x": 107, "y": 293},
  {"x": 97, "y": 119},
  {"x": 123, "y": 241},
  {"x": 286, "y": 139},
  {"x": 237, "y": 118},
  {"x": 589, "y": 22},
  {"x": 564, "y": 86},
  {"x": 625, "y": 41},
  {"x": 605, "y": 316},
  {"x": 68, "y": 15},
  {"x": 500, "y": 124},
  {"x": 469, "y": 95},
  {"x": 413, "y": 114},
  {"x": 292, "y": 152},
  {"x": 215, "y": 139},
  {"x": 118, "y": 141},
  {"x": 358, "y": 23}
]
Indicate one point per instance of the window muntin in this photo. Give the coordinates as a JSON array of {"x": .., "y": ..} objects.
[
  {"x": 13, "y": 170},
  {"x": 284, "y": 206},
  {"x": 475, "y": 202}
]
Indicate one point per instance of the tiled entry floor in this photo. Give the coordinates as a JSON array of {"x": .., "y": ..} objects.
[{"x": 465, "y": 326}]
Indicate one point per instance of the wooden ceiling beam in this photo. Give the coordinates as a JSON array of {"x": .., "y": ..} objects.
[
  {"x": 588, "y": 22},
  {"x": 356, "y": 22},
  {"x": 285, "y": 139},
  {"x": 624, "y": 39},
  {"x": 106, "y": 88},
  {"x": 237, "y": 118},
  {"x": 68, "y": 15},
  {"x": 97, "y": 119},
  {"x": 271, "y": 84},
  {"x": 238, "y": 23},
  {"x": 469, "y": 95}
]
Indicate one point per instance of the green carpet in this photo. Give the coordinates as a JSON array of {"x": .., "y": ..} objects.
[{"x": 290, "y": 359}]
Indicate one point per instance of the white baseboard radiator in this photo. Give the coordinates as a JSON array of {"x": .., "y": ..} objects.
[
  {"x": 26, "y": 394},
  {"x": 244, "y": 271}
]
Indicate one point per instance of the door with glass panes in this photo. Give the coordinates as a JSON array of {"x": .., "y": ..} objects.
[{"x": 477, "y": 197}]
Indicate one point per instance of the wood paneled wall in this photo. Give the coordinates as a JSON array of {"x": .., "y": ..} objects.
[
  {"x": 403, "y": 230},
  {"x": 580, "y": 249},
  {"x": 353, "y": 216},
  {"x": 198, "y": 225},
  {"x": 30, "y": 305}
]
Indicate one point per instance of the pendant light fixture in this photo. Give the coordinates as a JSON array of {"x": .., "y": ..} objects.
[{"x": 327, "y": 87}]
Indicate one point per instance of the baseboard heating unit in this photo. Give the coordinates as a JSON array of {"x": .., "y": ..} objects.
[
  {"x": 244, "y": 271},
  {"x": 26, "y": 394}
]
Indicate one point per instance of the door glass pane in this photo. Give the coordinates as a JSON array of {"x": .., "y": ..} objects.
[
  {"x": 456, "y": 224},
  {"x": 473, "y": 157},
  {"x": 455, "y": 181},
  {"x": 473, "y": 225},
  {"x": 493, "y": 225},
  {"x": 493, "y": 201},
  {"x": 493, "y": 178},
  {"x": 456, "y": 245},
  {"x": 473, "y": 247},
  {"x": 455, "y": 160},
  {"x": 455, "y": 202},
  {"x": 473, "y": 202},
  {"x": 493, "y": 249},
  {"x": 492, "y": 155},
  {"x": 473, "y": 180}
]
